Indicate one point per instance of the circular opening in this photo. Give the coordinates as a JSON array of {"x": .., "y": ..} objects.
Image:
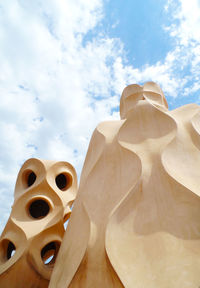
[
  {"x": 39, "y": 208},
  {"x": 7, "y": 250},
  {"x": 31, "y": 179},
  {"x": 10, "y": 250},
  {"x": 28, "y": 178},
  {"x": 49, "y": 253},
  {"x": 63, "y": 181}
]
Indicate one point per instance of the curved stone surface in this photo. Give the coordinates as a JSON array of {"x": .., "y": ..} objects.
[
  {"x": 44, "y": 193},
  {"x": 136, "y": 219}
]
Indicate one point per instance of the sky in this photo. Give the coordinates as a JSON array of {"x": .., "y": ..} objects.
[{"x": 65, "y": 63}]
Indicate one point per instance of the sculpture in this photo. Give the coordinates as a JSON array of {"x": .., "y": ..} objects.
[
  {"x": 136, "y": 219},
  {"x": 44, "y": 193}
]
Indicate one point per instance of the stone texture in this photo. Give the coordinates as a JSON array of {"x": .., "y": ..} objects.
[
  {"x": 136, "y": 218},
  {"x": 44, "y": 193}
]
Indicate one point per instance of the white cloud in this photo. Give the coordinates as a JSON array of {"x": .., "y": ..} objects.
[
  {"x": 52, "y": 83},
  {"x": 179, "y": 73},
  {"x": 188, "y": 17},
  {"x": 185, "y": 30}
]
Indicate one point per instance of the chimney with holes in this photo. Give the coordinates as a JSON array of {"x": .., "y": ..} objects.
[{"x": 29, "y": 244}]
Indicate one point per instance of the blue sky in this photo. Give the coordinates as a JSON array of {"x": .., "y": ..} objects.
[
  {"x": 139, "y": 25},
  {"x": 64, "y": 64}
]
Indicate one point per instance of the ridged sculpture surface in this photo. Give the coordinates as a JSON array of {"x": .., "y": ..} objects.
[{"x": 136, "y": 218}]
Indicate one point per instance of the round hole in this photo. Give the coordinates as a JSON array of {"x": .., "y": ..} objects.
[
  {"x": 28, "y": 178},
  {"x": 49, "y": 253},
  {"x": 10, "y": 250},
  {"x": 31, "y": 179},
  {"x": 7, "y": 250},
  {"x": 63, "y": 181},
  {"x": 39, "y": 208}
]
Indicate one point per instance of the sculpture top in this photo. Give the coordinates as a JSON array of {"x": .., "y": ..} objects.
[{"x": 133, "y": 95}]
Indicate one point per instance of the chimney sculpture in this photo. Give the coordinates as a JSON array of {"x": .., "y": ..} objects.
[
  {"x": 136, "y": 219},
  {"x": 29, "y": 244}
]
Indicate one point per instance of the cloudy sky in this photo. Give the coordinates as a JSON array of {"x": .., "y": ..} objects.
[{"x": 64, "y": 64}]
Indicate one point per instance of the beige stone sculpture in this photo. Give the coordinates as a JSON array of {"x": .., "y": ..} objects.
[
  {"x": 136, "y": 219},
  {"x": 44, "y": 193}
]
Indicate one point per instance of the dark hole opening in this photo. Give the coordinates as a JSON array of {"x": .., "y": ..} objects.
[
  {"x": 49, "y": 253},
  {"x": 39, "y": 209},
  {"x": 61, "y": 181},
  {"x": 31, "y": 179},
  {"x": 10, "y": 250}
]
